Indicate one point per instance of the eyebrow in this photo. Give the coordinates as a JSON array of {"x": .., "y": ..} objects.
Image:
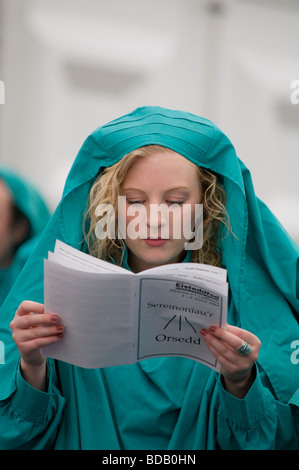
[{"x": 175, "y": 188}]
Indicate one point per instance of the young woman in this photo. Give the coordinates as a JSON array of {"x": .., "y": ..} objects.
[{"x": 158, "y": 156}]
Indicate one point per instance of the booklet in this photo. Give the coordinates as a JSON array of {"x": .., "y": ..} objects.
[{"x": 114, "y": 317}]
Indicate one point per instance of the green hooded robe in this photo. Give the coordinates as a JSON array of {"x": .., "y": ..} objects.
[
  {"x": 29, "y": 202},
  {"x": 166, "y": 403}
]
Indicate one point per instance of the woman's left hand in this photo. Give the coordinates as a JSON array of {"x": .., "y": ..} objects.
[{"x": 236, "y": 369}]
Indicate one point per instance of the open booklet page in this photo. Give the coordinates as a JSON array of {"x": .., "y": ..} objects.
[{"x": 114, "y": 317}]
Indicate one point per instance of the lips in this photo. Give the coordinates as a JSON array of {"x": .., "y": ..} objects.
[{"x": 155, "y": 242}]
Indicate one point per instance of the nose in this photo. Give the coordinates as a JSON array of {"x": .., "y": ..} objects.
[{"x": 157, "y": 220}]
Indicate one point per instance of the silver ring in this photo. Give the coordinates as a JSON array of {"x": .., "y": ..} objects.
[{"x": 244, "y": 349}]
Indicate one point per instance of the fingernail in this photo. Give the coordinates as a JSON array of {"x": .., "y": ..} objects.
[
  {"x": 212, "y": 328},
  {"x": 203, "y": 332},
  {"x": 54, "y": 318}
]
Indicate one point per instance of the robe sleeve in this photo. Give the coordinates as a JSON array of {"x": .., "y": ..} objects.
[
  {"x": 29, "y": 419},
  {"x": 259, "y": 421}
]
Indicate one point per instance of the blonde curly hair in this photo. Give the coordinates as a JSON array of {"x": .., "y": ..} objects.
[{"x": 107, "y": 188}]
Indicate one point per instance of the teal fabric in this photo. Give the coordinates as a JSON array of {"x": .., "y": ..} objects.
[
  {"x": 27, "y": 199},
  {"x": 167, "y": 403}
]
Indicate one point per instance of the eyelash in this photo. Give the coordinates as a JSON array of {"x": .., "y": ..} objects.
[
  {"x": 135, "y": 202},
  {"x": 180, "y": 203}
]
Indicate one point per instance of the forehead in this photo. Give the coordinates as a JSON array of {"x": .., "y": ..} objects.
[
  {"x": 5, "y": 197},
  {"x": 5, "y": 203},
  {"x": 161, "y": 166}
]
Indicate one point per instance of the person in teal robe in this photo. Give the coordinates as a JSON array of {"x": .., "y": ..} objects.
[
  {"x": 167, "y": 403},
  {"x": 24, "y": 215}
]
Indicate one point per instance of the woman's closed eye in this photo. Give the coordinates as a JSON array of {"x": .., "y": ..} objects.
[{"x": 140, "y": 201}]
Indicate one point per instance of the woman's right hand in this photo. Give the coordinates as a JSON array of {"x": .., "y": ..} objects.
[{"x": 33, "y": 329}]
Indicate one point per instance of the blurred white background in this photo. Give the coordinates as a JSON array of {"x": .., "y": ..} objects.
[{"x": 71, "y": 65}]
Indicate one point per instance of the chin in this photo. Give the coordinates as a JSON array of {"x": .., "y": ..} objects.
[{"x": 160, "y": 261}]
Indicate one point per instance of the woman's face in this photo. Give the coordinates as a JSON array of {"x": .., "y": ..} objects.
[
  {"x": 12, "y": 232},
  {"x": 161, "y": 178},
  {"x": 6, "y": 236}
]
